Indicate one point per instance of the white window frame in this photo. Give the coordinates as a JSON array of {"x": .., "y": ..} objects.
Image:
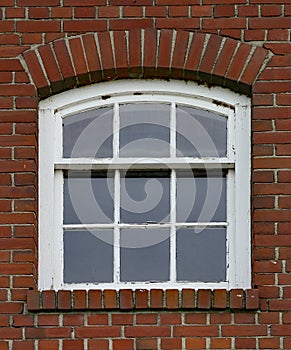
[{"x": 237, "y": 109}]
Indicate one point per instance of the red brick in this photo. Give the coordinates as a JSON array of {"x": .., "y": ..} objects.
[
  {"x": 219, "y": 299},
  {"x": 97, "y": 332},
  {"x": 35, "y": 68},
  {"x": 195, "y": 52},
  {"x": 220, "y": 343},
  {"x": 125, "y": 299},
  {"x": 98, "y": 344},
  {"x": 224, "y": 11},
  {"x": 110, "y": 299},
  {"x": 120, "y": 49},
  {"x": 169, "y": 23},
  {"x": 123, "y": 24},
  {"x": 238, "y": 330},
  {"x": 38, "y": 12},
  {"x": 171, "y": 343},
  {"x": 49, "y": 63},
  {"x": 146, "y": 344},
  {"x": 195, "y": 343},
  {"x": 106, "y": 53},
  {"x": 245, "y": 343},
  {"x": 171, "y": 318},
  {"x": 188, "y": 298},
  {"x": 33, "y": 300},
  {"x": 95, "y": 299},
  {"x": 147, "y": 331},
  {"x": 48, "y": 345},
  {"x": 73, "y": 344},
  {"x": 172, "y": 299},
  {"x": 98, "y": 319},
  {"x": 123, "y": 344},
  {"x": 147, "y": 318},
  {"x": 224, "y": 58},
  {"x": 238, "y": 62},
  {"x": 204, "y": 299},
  {"x": 48, "y": 300},
  {"x": 199, "y": 331},
  {"x": 195, "y": 318},
  {"x": 63, "y": 59},
  {"x": 108, "y": 11},
  {"x": 211, "y": 52},
  {"x": 156, "y": 298},
  {"x": 178, "y": 11},
  {"x": 84, "y": 12},
  {"x": 78, "y": 58},
  {"x": 74, "y": 320},
  {"x": 32, "y": 26},
  {"x": 79, "y": 299},
  {"x": 132, "y": 11},
  {"x": 48, "y": 320},
  {"x": 141, "y": 299},
  {"x": 83, "y": 25}
]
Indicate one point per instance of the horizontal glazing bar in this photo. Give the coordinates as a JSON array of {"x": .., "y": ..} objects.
[
  {"x": 145, "y": 163},
  {"x": 145, "y": 225}
]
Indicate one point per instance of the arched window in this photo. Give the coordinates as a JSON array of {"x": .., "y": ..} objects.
[{"x": 144, "y": 184}]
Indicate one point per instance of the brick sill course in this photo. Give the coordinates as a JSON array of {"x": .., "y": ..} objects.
[{"x": 126, "y": 300}]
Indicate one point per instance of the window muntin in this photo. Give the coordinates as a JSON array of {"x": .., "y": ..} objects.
[{"x": 172, "y": 171}]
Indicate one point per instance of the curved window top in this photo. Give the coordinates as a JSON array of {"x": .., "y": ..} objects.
[{"x": 147, "y": 186}]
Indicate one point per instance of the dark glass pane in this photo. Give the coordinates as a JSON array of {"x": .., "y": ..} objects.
[
  {"x": 88, "y": 198},
  {"x": 144, "y": 130},
  {"x": 88, "y": 256},
  {"x": 201, "y": 256},
  {"x": 145, "y": 197},
  {"x": 200, "y": 133},
  {"x": 201, "y": 197},
  {"x": 145, "y": 255},
  {"x": 88, "y": 134}
]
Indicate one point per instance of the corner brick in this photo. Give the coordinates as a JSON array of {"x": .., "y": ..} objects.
[
  {"x": 252, "y": 299},
  {"x": 33, "y": 300}
]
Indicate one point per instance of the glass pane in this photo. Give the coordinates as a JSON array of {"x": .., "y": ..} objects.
[
  {"x": 88, "y": 256},
  {"x": 145, "y": 197},
  {"x": 88, "y": 134},
  {"x": 201, "y": 197},
  {"x": 201, "y": 256},
  {"x": 144, "y": 130},
  {"x": 88, "y": 198},
  {"x": 200, "y": 133},
  {"x": 145, "y": 255}
]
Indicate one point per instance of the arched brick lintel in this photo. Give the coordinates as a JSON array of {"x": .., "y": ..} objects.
[{"x": 167, "y": 54}]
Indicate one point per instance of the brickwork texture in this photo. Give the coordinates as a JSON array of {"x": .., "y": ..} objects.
[{"x": 47, "y": 47}]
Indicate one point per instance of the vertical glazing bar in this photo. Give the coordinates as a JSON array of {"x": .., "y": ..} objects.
[
  {"x": 116, "y": 199},
  {"x": 116, "y": 251},
  {"x": 173, "y": 228},
  {"x": 173, "y": 131},
  {"x": 116, "y": 130},
  {"x": 173, "y": 195}
]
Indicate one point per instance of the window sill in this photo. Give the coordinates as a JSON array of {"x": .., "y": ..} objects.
[{"x": 126, "y": 300}]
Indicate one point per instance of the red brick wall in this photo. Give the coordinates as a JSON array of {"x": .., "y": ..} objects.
[{"x": 247, "y": 48}]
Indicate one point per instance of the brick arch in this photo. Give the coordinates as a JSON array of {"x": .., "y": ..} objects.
[{"x": 168, "y": 54}]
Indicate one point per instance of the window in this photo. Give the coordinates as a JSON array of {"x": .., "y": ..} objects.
[{"x": 144, "y": 184}]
